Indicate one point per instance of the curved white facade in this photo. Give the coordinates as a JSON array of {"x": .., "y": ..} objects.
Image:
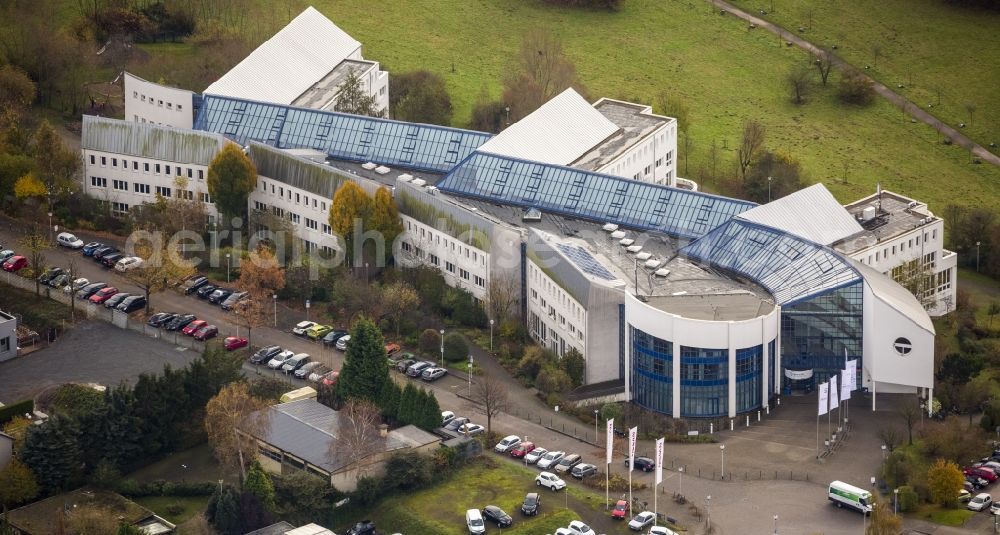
[
  {"x": 148, "y": 102},
  {"x": 723, "y": 339}
]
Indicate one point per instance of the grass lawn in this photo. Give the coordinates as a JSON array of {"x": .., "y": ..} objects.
[
  {"x": 193, "y": 465},
  {"x": 441, "y": 510},
  {"x": 936, "y": 50},
  {"x": 189, "y": 506},
  {"x": 945, "y": 517}
]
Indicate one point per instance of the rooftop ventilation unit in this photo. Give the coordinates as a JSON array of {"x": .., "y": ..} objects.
[
  {"x": 625, "y": 242},
  {"x": 419, "y": 182},
  {"x": 662, "y": 272},
  {"x": 643, "y": 256},
  {"x": 368, "y": 165},
  {"x": 633, "y": 248},
  {"x": 868, "y": 213},
  {"x": 610, "y": 227},
  {"x": 912, "y": 204},
  {"x": 405, "y": 177},
  {"x": 433, "y": 191},
  {"x": 618, "y": 234},
  {"x": 382, "y": 170},
  {"x": 653, "y": 263},
  {"x": 532, "y": 215}
]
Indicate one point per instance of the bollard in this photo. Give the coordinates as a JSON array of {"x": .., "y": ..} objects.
[
  {"x": 710, "y": 428},
  {"x": 730, "y": 425},
  {"x": 768, "y": 409},
  {"x": 779, "y": 402},
  {"x": 758, "y": 416},
  {"x": 748, "y": 420}
]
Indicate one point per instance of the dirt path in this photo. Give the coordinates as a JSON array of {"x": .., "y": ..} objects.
[{"x": 895, "y": 98}]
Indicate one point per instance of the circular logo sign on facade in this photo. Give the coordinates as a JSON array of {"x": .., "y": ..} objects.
[{"x": 902, "y": 346}]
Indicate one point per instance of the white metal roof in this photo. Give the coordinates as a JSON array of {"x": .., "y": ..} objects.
[
  {"x": 811, "y": 213},
  {"x": 559, "y": 132},
  {"x": 894, "y": 295},
  {"x": 290, "y": 62}
]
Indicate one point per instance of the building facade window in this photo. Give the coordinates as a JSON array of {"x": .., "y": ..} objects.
[{"x": 652, "y": 372}]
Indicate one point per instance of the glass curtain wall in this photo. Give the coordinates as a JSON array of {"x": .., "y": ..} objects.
[
  {"x": 815, "y": 332},
  {"x": 749, "y": 373},
  {"x": 652, "y": 371},
  {"x": 704, "y": 382}
]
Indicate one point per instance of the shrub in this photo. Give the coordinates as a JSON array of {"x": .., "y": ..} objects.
[
  {"x": 455, "y": 348},
  {"x": 552, "y": 380},
  {"x": 8, "y": 412},
  {"x": 616, "y": 482},
  {"x": 856, "y": 89},
  {"x": 908, "y": 499},
  {"x": 430, "y": 341},
  {"x": 368, "y": 490}
]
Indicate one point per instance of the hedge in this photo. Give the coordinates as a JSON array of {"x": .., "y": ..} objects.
[{"x": 8, "y": 412}]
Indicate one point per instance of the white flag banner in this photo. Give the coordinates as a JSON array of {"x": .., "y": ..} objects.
[
  {"x": 845, "y": 386},
  {"x": 834, "y": 403},
  {"x": 659, "y": 461},
  {"x": 824, "y": 395},
  {"x": 610, "y": 434},
  {"x": 852, "y": 373},
  {"x": 632, "y": 433}
]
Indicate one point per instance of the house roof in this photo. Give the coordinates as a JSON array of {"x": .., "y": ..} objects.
[
  {"x": 559, "y": 132},
  {"x": 289, "y": 63},
  {"x": 147, "y": 140},
  {"x": 43, "y": 517},
  {"x": 895, "y": 295},
  {"x": 811, "y": 213}
]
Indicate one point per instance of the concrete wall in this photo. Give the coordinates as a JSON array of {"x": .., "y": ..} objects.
[
  {"x": 8, "y": 337},
  {"x": 640, "y": 161},
  {"x": 148, "y": 102},
  {"x": 890, "y": 370}
]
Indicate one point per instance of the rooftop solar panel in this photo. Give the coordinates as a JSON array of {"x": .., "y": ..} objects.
[
  {"x": 592, "y": 196},
  {"x": 342, "y": 136},
  {"x": 585, "y": 261}
]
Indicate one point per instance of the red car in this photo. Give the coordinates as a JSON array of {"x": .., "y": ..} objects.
[
  {"x": 15, "y": 263},
  {"x": 233, "y": 343},
  {"x": 103, "y": 295},
  {"x": 391, "y": 348},
  {"x": 981, "y": 471},
  {"x": 522, "y": 449},
  {"x": 194, "y": 326},
  {"x": 620, "y": 511},
  {"x": 206, "y": 332},
  {"x": 329, "y": 379}
]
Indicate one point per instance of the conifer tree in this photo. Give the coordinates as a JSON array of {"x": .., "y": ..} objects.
[{"x": 365, "y": 369}]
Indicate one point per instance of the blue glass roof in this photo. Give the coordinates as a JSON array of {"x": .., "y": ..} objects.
[
  {"x": 342, "y": 136},
  {"x": 790, "y": 267},
  {"x": 600, "y": 198},
  {"x": 585, "y": 261}
]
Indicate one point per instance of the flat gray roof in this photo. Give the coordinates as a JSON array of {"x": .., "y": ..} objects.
[
  {"x": 327, "y": 87},
  {"x": 895, "y": 217},
  {"x": 634, "y": 123}
]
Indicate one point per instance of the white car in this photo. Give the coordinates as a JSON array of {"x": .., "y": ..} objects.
[
  {"x": 507, "y": 444},
  {"x": 127, "y": 263},
  {"x": 579, "y": 528},
  {"x": 68, "y": 240},
  {"x": 564, "y": 531},
  {"x": 550, "y": 459},
  {"x": 446, "y": 416},
  {"x": 641, "y": 520},
  {"x": 551, "y": 481},
  {"x": 980, "y": 502},
  {"x": 302, "y": 327},
  {"x": 474, "y": 521},
  {"x": 471, "y": 429},
  {"x": 76, "y": 285},
  {"x": 279, "y": 360},
  {"x": 342, "y": 342},
  {"x": 660, "y": 530},
  {"x": 534, "y": 455}
]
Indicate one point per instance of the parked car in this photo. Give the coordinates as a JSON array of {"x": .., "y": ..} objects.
[
  {"x": 76, "y": 285},
  {"x": 128, "y": 263},
  {"x": 568, "y": 462},
  {"x": 49, "y": 274},
  {"x": 131, "y": 304},
  {"x": 981, "y": 471},
  {"x": 278, "y": 360},
  {"x": 980, "y": 502},
  {"x": 550, "y": 459},
  {"x": 206, "y": 290},
  {"x": 88, "y": 250},
  {"x": 264, "y": 354},
  {"x": 579, "y": 528},
  {"x": 219, "y": 295},
  {"x": 234, "y": 299},
  {"x": 641, "y": 520},
  {"x": 550, "y": 481},
  {"x": 193, "y": 327},
  {"x": 15, "y": 263},
  {"x": 68, "y": 240},
  {"x": 232, "y": 343},
  {"x": 365, "y": 527},
  {"x": 976, "y": 482},
  {"x": 418, "y": 368},
  {"x": 642, "y": 463},
  {"x": 391, "y": 348},
  {"x": 206, "y": 332},
  {"x": 583, "y": 470},
  {"x": 661, "y": 530},
  {"x": 116, "y": 299},
  {"x": 180, "y": 321},
  {"x": 508, "y": 443},
  {"x": 403, "y": 365},
  {"x": 317, "y": 374},
  {"x": 60, "y": 281},
  {"x": 330, "y": 379},
  {"x": 90, "y": 290},
  {"x": 295, "y": 362},
  {"x": 470, "y": 429},
  {"x": 535, "y": 455},
  {"x": 433, "y": 374},
  {"x": 332, "y": 337},
  {"x": 318, "y": 331},
  {"x": 160, "y": 319},
  {"x": 303, "y": 326},
  {"x": 522, "y": 449},
  {"x": 306, "y": 369},
  {"x": 5, "y": 254},
  {"x": 102, "y": 295},
  {"x": 342, "y": 342},
  {"x": 446, "y": 417},
  {"x": 100, "y": 253},
  {"x": 529, "y": 506},
  {"x": 459, "y": 421},
  {"x": 192, "y": 285},
  {"x": 474, "y": 521},
  {"x": 498, "y": 516},
  {"x": 995, "y": 508},
  {"x": 621, "y": 510},
  {"x": 110, "y": 260}
]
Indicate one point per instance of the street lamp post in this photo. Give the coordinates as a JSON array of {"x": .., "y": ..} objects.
[
  {"x": 491, "y": 336},
  {"x": 895, "y": 501},
  {"x": 50, "y": 230},
  {"x": 768, "y": 189},
  {"x": 722, "y": 450},
  {"x": 883, "y": 451},
  {"x": 274, "y": 297},
  {"x": 708, "y": 511},
  {"x": 227, "y": 267},
  {"x": 680, "y": 480},
  {"x": 977, "y": 255},
  {"x": 470, "y": 376},
  {"x": 442, "y": 348},
  {"x": 775, "y": 524},
  {"x": 595, "y": 427}
]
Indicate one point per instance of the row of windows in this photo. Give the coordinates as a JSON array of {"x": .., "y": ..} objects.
[
  {"x": 159, "y": 102},
  {"x": 298, "y": 198},
  {"x": 144, "y": 189},
  {"x": 885, "y": 252},
  {"x": 155, "y": 168},
  {"x": 456, "y": 247},
  {"x": 547, "y": 336},
  {"x": 539, "y": 281}
]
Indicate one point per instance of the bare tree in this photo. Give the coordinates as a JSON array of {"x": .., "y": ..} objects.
[
  {"x": 260, "y": 277},
  {"x": 160, "y": 266},
  {"x": 824, "y": 64},
  {"x": 36, "y": 243},
  {"x": 876, "y": 52},
  {"x": 889, "y": 436},
  {"x": 799, "y": 83},
  {"x": 910, "y": 413},
  {"x": 543, "y": 71},
  {"x": 750, "y": 143},
  {"x": 490, "y": 397},
  {"x": 233, "y": 418},
  {"x": 971, "y": 108},
  {"x": 358, "y": 434},
  {"x": 503, "y": 295},
  {"x": 72, "y": 271},
  {"x": 398, "y": 299}
]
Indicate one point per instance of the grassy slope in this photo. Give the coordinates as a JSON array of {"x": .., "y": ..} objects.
[
  {"x": 926, "y": 45},
  {"x": 191, "y": 505},
  {"x": 725, "y": 74}
]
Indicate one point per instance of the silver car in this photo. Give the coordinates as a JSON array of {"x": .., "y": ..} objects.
[{"x": 279, "y": 359}]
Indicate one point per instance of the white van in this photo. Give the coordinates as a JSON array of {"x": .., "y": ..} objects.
[
  {"x": 842, "y": 494},
  {"x": 68, "y": 240},
  {"x": 474, "y": 521}
]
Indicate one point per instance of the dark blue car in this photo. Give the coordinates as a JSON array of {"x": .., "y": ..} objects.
[{"x": 88, "y": 250}]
